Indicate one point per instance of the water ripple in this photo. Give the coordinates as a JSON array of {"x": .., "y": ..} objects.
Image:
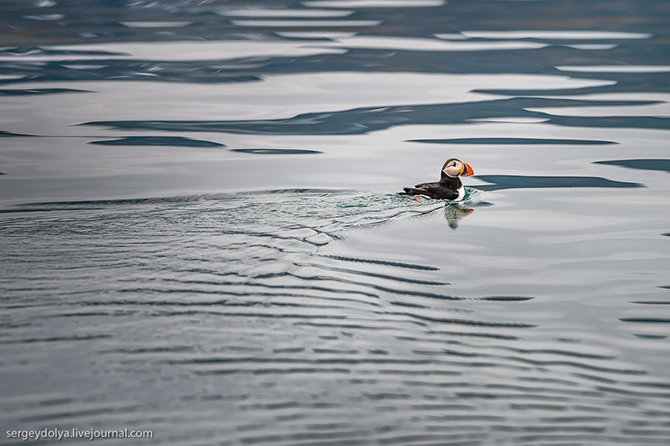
[{"x": 384, "y": 327}]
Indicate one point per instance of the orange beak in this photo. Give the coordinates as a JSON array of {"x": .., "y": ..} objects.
[{"x": 468, "y": 170}]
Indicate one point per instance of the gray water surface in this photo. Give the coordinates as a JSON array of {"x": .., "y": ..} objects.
[{"x": 200, "y": 233}]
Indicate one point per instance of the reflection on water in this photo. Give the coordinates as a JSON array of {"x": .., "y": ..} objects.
[
  {"x": 644, "y": 164},
  {"x": 200, "y": 236},
  {"x": 454, "y": 213},
  {"x": 360, "y": 121},
  {"x": 177, "y": 141},
  {"x": 513, "y": 141},
  {"x": 524, "y": 182}
]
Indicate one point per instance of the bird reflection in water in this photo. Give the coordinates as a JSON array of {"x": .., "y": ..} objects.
[{"x": 455, "y": 212}]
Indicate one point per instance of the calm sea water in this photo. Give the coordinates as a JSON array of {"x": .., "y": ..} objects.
[{"x": 200, "y": 233}]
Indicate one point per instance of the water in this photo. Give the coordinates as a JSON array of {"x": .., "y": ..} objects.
[{"x": 201, "y": 234}]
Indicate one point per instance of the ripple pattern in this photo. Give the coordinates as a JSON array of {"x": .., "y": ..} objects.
[{"x": 249, "y": 319}]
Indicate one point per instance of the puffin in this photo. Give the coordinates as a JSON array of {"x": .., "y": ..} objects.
[{"x": 449, "y": 187}]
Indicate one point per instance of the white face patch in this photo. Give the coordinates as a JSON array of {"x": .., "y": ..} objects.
[{"x": 453, "y": 169}]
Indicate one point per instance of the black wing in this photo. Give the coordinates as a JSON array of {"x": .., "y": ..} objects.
[{"x": 432, "y": 190}]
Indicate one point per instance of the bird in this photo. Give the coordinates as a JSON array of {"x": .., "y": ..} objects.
[{"x": 449, "y": 187}]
